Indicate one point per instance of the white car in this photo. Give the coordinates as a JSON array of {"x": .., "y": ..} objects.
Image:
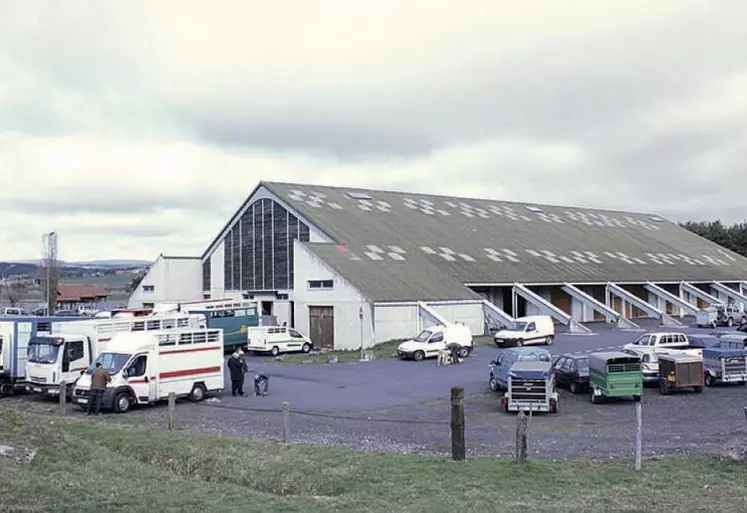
[
  {"x": 662, "y": 340},
  {"x": 649, "y": 361},
  {"x": 432, "y": 340}
]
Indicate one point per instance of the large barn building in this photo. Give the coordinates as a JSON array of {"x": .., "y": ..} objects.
[{"x": 351, "y": 266}]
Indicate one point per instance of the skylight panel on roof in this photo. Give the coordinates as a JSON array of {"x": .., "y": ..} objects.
[
  {"x": 466, "y": 257},
  {"x": 396, "y": 256},
  {"x": 533, "y": 209},
  {"x": 375, "y": 249},
  {"x": 443, "y": 212},
  {"x": 397, "y": 249},
  {"x": 373, "y": 256},
  {"x": 335, "y": 206},
  {"x": 365, "y": 208},
  {"x": 450, "y": 258},
  {"x": 428, "y": 250},
  {"x": 359, "y": 195},
  {"x": 413, "y": 206}
]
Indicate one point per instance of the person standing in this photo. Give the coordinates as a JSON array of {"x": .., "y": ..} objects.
[
  {"x": 99, "y": 379},
  {"x": 244, "y": 370},
  {"x": 235, "y": 367}
]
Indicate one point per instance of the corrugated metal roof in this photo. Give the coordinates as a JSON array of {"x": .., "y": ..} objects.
[{"x": 418, "y": 242}]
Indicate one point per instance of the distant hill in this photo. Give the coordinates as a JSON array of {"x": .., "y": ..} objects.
[{"x": 73, "y": 269}]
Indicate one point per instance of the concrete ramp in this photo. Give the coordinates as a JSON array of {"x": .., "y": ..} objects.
[
  {"x": 671, "y": 298},
  {"x": 600, "y": 307},
  {"x": 547, "y": 308},
  {"x": 644, "y": 306}
]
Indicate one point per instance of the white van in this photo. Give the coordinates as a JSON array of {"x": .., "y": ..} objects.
[
  {"x": 432, "y": 340},
  {"x": 535, "y": 329},
  {"x": 147, "y": 366},
  {"x": 276, "y": 340}
]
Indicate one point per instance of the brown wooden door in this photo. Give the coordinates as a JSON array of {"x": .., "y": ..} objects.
[{"x": 322, "y": 326}]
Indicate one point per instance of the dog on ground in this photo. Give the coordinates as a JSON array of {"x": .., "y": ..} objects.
[{"x": 444, "y": 357}]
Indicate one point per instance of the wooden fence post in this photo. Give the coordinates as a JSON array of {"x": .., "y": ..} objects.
[
  {"x": 286, "y": 421},
  {"x": 172, "y": 409},
  {"x": 63, "y": 395},
  {"x": 638, "y": 435},
  {"x": 458, "y": 449},
  {"x": 522, "y": 427}
]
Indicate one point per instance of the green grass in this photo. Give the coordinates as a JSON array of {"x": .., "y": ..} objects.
[
  {"x": 92, "y": 465},
  {"x": 383, "y": 350}
]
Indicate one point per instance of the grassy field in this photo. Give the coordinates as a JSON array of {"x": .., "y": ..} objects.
[
  {"x": 92, "y": 465},
  {"x": 383, "y": 350}
]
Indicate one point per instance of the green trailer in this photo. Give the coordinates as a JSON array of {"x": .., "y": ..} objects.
[{"x": 615, "y": 374}]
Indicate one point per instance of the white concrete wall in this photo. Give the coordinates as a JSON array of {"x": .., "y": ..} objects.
[
  {"x": 401, "y": 321},
  {"x": 217, "y": 273},
  {"x": 173, "y": 279},
  {"x": 344, "y": 298}
]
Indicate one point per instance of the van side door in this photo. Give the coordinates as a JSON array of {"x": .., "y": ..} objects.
[
  {"x": 435, "y": 344},
  {"x": 138, "y": 377}
]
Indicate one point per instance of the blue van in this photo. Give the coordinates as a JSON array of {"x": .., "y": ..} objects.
[{"x": 502, "y": 364}]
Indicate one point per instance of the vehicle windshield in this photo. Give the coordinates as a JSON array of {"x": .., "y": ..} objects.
[
  {"x": 650, "y": 358},
  {"x": 582, "y": 364},
  {"x": 40, "y": 351},
  {"x": 532, "y": 357},
  {"x": 516, "y": 326},
  {"x": 423, "y": 337},
  {"x": 110, "y": 362}
]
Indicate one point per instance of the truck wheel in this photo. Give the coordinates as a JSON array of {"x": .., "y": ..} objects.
[
  {"x": 698, "y": 389},
  {"x": 663, "y": 389},
  {"x": 493, "y": 384},
  {"x": 708, "y": 380},
  {"x": 593, "y": 398},
  {"x": 306, "y": 347},
  {"x": 519, "y": 343},
  {"x": 637, "y": 398},
  {"x": 549, "y": 340},
  {"x": 464, "y": 352},
  {"x": 418, "y": 356},
  {"x": 275, "y": 351},
  {"x": 574, "y": 387},
  {"x": 198, "y": 393},
  {"x": 730, "y": 322},
  {"x": 122, "y": 402}
]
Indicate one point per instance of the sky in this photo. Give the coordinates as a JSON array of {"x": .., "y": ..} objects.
[{"x": 134, "y": 128}]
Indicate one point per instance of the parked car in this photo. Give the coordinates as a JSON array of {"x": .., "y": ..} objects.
[
  {"x": 615, "y": 374},
  {"x": 13, "y": 312},
  {"x": 663, "y": 340},
  {"x": 649, "y": 362},
  {"x": 536, "y": 329},
  {"x": 500, "y": 366},
  {"x": 572, "y": 371},
  {"x": 432, "y": 340}
]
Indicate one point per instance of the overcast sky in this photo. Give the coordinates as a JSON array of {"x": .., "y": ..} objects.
[{"x": 138, "y": 127}]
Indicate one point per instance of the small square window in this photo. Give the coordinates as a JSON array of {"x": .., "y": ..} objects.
[{"x": 149, "y": 288}]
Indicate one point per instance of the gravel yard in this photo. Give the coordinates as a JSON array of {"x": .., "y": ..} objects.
[{"x": 415, "y": 397}]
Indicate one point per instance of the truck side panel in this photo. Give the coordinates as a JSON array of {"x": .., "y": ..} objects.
[{"x": 180, "y": 367}]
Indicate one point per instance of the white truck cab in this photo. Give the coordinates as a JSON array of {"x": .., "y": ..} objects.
[
  {"x": 146, "y": 367},
  {"x": 70, "y": 347},
  {"x": 276, "y": 340},
  {"x": 534, "y": 329},
  {"x": 432, "y": 340}
]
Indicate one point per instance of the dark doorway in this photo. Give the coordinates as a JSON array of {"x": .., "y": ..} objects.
[
  {"x": 267, "y": 308},
  {"x": 322, "y": 326},
  {"x": 292, "y": 315}
]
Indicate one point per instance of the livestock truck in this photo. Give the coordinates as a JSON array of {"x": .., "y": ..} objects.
[{"x": 67, "y": 349}]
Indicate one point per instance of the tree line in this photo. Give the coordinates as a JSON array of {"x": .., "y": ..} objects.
[{"x": 733, "y": 237}]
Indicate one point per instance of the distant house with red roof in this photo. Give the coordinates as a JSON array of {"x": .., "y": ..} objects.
[{"x": 71, "y": 296}]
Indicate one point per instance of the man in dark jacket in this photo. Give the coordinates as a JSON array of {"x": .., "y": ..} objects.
[
  {"x": 99, "y": 380},
  {"x": 236, "y": 369}
]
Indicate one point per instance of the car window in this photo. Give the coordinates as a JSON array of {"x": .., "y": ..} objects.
[
  {"x": 561, "y": 361},
  {"x": 438, "y": 337},
  {"x": 74, "y": 350},
  {"x": 295, "y": 334},
  {"x": 582, "y": 364},
  {"x": 570, "y": 364},
  {"x": 531, "y": 326}
]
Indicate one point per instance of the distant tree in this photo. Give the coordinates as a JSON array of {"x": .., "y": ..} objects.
[
  {"x": 135, "y": 283},
  {"x": 12, "y": 291},
  {"x": 733, "y": 237}
]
